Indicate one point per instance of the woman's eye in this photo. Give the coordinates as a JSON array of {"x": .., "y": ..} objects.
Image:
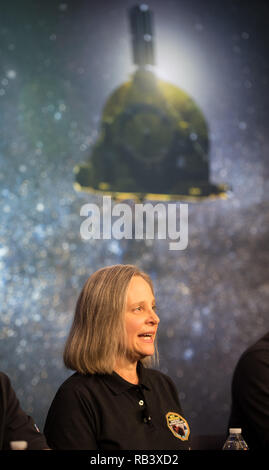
[{"x": 139, "y": 308}]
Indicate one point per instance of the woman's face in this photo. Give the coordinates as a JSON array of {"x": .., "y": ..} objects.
[{"x": 141, "y": 320}]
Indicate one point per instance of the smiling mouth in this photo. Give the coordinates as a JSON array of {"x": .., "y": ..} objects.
[{"x": 149, "y": 337}]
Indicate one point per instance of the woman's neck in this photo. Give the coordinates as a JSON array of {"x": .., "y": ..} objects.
[{"x": 127, "y": 370}]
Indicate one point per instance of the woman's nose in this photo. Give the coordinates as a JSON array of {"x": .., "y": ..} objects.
[{"x": 153, "y": 317}]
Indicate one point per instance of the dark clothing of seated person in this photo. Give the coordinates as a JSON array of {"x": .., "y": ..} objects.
[
  {"x": 15, "y": 425},
  {"x": 250, "y": 395},
  {"x": 114, "y": 401}
]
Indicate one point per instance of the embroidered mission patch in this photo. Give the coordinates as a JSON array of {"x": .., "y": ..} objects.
[{"x": 178, "y": 425}]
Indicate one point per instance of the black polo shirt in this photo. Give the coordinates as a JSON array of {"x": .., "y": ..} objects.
[
  {"x": 15, "y": 425},
  {"x": 106, "y": 412}
]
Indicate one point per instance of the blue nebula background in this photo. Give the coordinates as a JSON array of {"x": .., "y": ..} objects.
[{"x": 60, "y": 61}]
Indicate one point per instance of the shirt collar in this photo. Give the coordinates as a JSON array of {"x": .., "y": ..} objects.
[{"x": 119, "y": 385}]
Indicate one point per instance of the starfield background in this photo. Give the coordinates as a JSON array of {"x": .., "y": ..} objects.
[{"x": 59, "y": 63}]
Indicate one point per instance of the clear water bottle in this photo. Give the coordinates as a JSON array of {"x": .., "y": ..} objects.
[{"x": 235, "y": 440}]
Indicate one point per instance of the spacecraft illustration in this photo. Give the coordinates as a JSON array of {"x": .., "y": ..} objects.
[{"x": 153, "y": 142}]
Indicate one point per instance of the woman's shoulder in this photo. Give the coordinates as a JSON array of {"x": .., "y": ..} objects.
[
  {"x": 157, "y": 376},
  {"x": 77, "y": 391},
  {"x": 79, "y": 383}
]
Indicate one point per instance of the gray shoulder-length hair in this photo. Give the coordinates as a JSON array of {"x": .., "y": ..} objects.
[{"x": 97, "y": 336}]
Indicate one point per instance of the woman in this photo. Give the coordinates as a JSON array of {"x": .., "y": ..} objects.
[{"x": 114, "y": 401}]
